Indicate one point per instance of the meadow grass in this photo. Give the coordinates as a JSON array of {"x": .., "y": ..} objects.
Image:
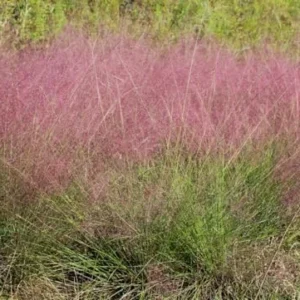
[
  {"x": 178, "y": 226},
  {"x": 134, "y": 172}
]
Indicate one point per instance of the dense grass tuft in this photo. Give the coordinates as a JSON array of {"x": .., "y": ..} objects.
[
  {"x": 177, "y": 226},
  {"x": 132, "y": 172}
]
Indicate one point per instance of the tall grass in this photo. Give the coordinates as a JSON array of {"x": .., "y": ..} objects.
[
  {"x": 118, "y": 97},
  {"x": 178, "y": 226},
  {"x": 132, "y": 172}
]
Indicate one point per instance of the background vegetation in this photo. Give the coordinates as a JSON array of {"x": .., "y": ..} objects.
[{"x": 242, "y": 23}]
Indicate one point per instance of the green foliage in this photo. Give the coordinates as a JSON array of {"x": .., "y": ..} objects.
[
  {"x": 39, "y": 20},
  {"x": 208, "y": 206},
  {"x": 240, "y": 23},
  {"x": 203, "y": 226},
  {"x": 254, "y": 21},
  {"x": 31, "y": 20}
]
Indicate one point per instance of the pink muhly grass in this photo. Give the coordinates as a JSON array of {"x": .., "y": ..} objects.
[{"x": 121, "y": 97}]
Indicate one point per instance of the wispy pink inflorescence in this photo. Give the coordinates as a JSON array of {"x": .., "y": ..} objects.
[{"x": 118, "y": 96}]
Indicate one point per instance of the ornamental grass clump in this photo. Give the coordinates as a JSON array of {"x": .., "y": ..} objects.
[{"x": 120, "y": 97}]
